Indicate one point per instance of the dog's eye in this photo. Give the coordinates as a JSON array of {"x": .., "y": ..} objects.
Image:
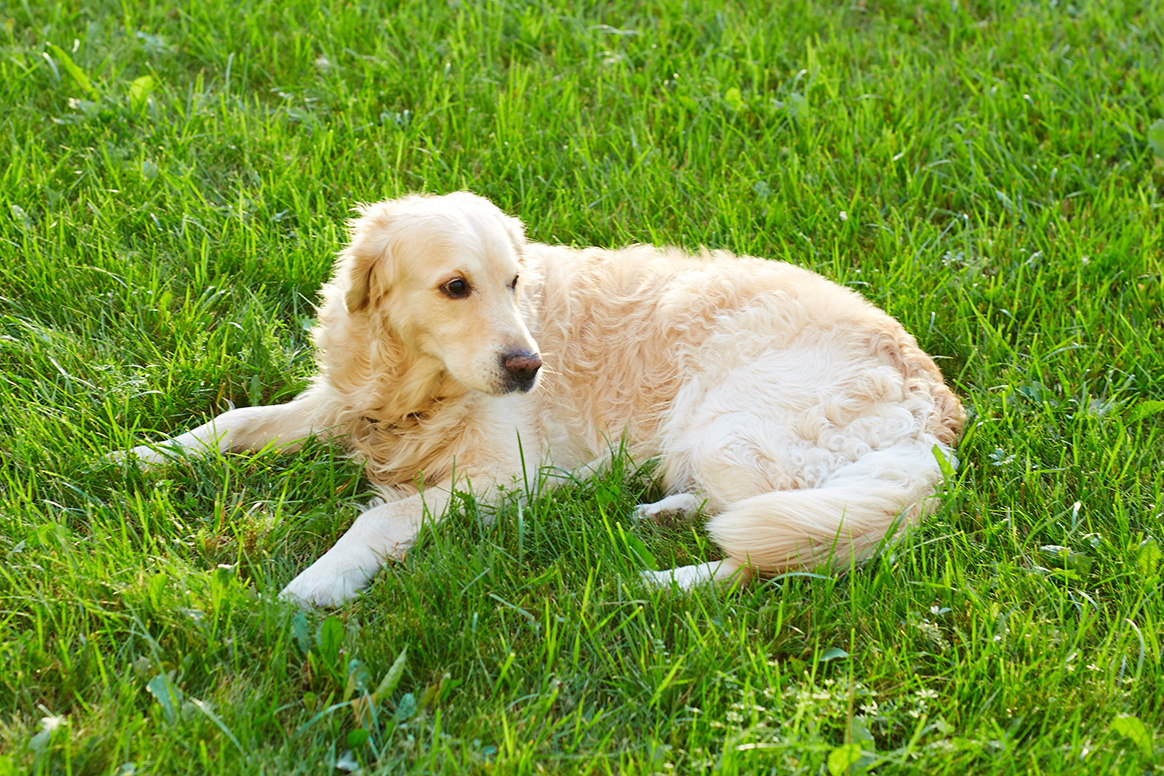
[
  {"x": 513, "y": 283},
  {"x": 456, "y": 289}
]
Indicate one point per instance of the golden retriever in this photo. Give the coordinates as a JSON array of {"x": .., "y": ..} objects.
[{"x": 452, "y": 353}]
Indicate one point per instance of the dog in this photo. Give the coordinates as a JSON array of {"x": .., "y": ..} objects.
[{"x": 453, "y": 354}]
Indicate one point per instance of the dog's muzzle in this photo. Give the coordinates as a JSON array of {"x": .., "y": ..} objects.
[{"x": 521, "y": 369}]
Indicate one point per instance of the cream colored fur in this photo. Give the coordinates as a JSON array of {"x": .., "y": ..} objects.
[{"x": 802, "y": 419}]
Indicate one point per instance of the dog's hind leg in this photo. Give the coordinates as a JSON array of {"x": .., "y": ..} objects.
[
  {"x": 246, "y": 428},
  {"x": 683, "y": 506},
  {"x": 686, "y": 577}
]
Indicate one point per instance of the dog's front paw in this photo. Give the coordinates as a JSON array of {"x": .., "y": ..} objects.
[
  {"x": 325, "y": 593},
  {"x": 142, "y": 454},
  {"x": 326, "y": 584}
]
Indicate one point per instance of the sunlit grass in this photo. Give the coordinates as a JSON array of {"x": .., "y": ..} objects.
[{"x": 174, "y": 185}]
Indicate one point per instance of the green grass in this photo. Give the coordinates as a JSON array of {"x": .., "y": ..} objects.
[{"x": 174, "y": 184}]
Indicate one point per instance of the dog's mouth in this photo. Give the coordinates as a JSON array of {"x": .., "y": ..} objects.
[{"x": 519, "y": 385}]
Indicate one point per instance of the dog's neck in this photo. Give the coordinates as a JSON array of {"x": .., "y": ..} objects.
[
  {"x": 385, "y": 380},
  {"x": 405, "y": 383}
]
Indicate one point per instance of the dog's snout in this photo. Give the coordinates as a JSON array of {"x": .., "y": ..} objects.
[
  {"x": 523, "y": 364},
  {"x": 521, "y": 368}
]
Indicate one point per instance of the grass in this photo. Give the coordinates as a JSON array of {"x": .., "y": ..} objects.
[{"x": 174, "y": 183}]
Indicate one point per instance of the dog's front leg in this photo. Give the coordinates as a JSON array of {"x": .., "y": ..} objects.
[
  {"x": 382, "y": 533},
  {"x": 246, "y": 428}
]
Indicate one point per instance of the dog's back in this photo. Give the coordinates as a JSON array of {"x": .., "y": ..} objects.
[{"x": 806, "y": 419}]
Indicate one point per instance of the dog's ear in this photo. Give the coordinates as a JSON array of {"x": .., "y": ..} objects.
[
  {"x": 359, "y": 284},
  {"x": 363, "y": 265},
  {"x": 516, "y": 231}
]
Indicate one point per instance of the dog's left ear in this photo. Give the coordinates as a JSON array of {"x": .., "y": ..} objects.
[{"x": 363, "y": 264}]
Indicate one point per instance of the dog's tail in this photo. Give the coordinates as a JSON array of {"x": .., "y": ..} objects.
[{"x": 845, "y": 519}]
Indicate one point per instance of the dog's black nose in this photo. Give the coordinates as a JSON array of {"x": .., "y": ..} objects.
[{"x": 522, "y": 369}]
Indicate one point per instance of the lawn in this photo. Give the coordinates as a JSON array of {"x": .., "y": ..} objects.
[{"x": 175, "y": 183}]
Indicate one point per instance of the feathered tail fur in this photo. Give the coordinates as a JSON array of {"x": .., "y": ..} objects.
[{"x": 842, "y": 520}]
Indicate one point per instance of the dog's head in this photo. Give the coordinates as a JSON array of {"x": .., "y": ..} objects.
[{"x": 443, "y": 274}]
